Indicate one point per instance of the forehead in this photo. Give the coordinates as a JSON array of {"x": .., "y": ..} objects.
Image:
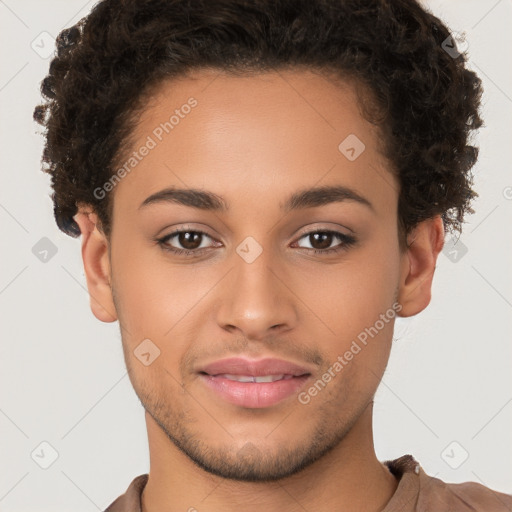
[{"x": 241, "y": 136}]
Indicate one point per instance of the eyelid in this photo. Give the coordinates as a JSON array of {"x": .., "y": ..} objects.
[
  {"x": 303, "y": 232},
  {"x": 346, "y": 242},
  {"x": 186, "y": 229},
  {"x": 315, "y": 229}
]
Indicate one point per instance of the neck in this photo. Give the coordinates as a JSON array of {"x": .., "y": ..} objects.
[{"x": 349, "y": 477}]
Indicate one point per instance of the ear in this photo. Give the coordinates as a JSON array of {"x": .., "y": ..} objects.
[
  {"x": 96, "y": 265},
  {"x": 418, "y": 266}
]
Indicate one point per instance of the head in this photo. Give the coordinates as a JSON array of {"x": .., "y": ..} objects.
[{"x": 273, "y": 127}]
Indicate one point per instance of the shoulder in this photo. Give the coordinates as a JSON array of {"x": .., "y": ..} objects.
[
  {"x": 418, "y": 491},
  {"x": 476, "y": 496},
  {"x": 130, "y": 500}
]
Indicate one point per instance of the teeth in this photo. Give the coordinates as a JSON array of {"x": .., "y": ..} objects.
[{"x": 251, "y": 378}]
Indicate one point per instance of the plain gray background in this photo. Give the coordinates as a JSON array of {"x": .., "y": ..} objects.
[{"x": 447, "y": 392}]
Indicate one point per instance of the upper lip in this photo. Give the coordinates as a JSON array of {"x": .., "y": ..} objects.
[{"x": 241, "y": 366}]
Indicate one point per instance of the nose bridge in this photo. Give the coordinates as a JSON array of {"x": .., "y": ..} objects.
[
  {"x": 255, "y": 281},
  {"x": 255, "y": 300},
  {"x": 253, "y": 264}
]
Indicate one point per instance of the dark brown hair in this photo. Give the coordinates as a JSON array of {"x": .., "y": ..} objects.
[{"x": 109, "y": 61}]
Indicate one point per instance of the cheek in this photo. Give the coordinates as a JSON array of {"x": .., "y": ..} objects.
[
  {"x": 358, "y": 306},
  {"x": 156, "y": 299},
  {"x": 352, "y": 295}
]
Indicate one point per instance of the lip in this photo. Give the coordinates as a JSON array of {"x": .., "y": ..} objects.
[
  {"x": 241, "y": 366},
  {"x": 254, "y": 395}
]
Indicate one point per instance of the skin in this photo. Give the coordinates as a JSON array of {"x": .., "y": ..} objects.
[{"x": 255, "y": 140}]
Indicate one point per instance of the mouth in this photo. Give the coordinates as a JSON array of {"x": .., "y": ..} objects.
[
  {"x": 254, "y": 392},
  {"x": 254, "y": 378},
  {"x": 254, "y": 384}
]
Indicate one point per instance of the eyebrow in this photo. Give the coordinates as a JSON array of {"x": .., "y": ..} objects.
[{"x": 307, "y": 198}]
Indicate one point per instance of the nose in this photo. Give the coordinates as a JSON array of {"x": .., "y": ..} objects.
[{"x": 257, "y": 297}]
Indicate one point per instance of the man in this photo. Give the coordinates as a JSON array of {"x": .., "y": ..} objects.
[{"x": 206, "y": 152}]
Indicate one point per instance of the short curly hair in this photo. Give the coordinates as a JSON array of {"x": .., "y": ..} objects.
[{"x": 108, "y": 63}]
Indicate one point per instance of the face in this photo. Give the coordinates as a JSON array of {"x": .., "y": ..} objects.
[{"x": 256, "y": 270}]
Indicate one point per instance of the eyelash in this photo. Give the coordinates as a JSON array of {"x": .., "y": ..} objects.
[{"x": 346, "y": 242}]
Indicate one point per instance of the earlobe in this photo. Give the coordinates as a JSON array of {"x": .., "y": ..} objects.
[
  {"x": 96, "y": 266},
  {"x": 418, "y": 266}
]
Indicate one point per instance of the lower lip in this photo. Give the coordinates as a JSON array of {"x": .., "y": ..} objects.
[{"x": 254, "y": 395}]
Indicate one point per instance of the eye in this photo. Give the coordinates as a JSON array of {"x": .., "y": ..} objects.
[
  {"x": 192, "y": 242},
  {"x": 321, "y": 241}
]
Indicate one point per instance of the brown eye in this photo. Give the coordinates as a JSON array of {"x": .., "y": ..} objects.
[
  {"x": 185, "y": 242},
  {"x": 189, "y": 239},
  {"x": 321, "y": 241},
  {"x": 189, "y": 242}
]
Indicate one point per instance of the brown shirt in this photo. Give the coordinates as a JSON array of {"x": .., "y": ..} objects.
[{"x": 416, "y": 492}]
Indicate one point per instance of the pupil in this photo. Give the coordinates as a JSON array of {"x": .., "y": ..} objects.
[
  {"x": 184, "y": 239},
  {"x": 326, "y": 242},
  {"x": 191, "y": 240}
]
